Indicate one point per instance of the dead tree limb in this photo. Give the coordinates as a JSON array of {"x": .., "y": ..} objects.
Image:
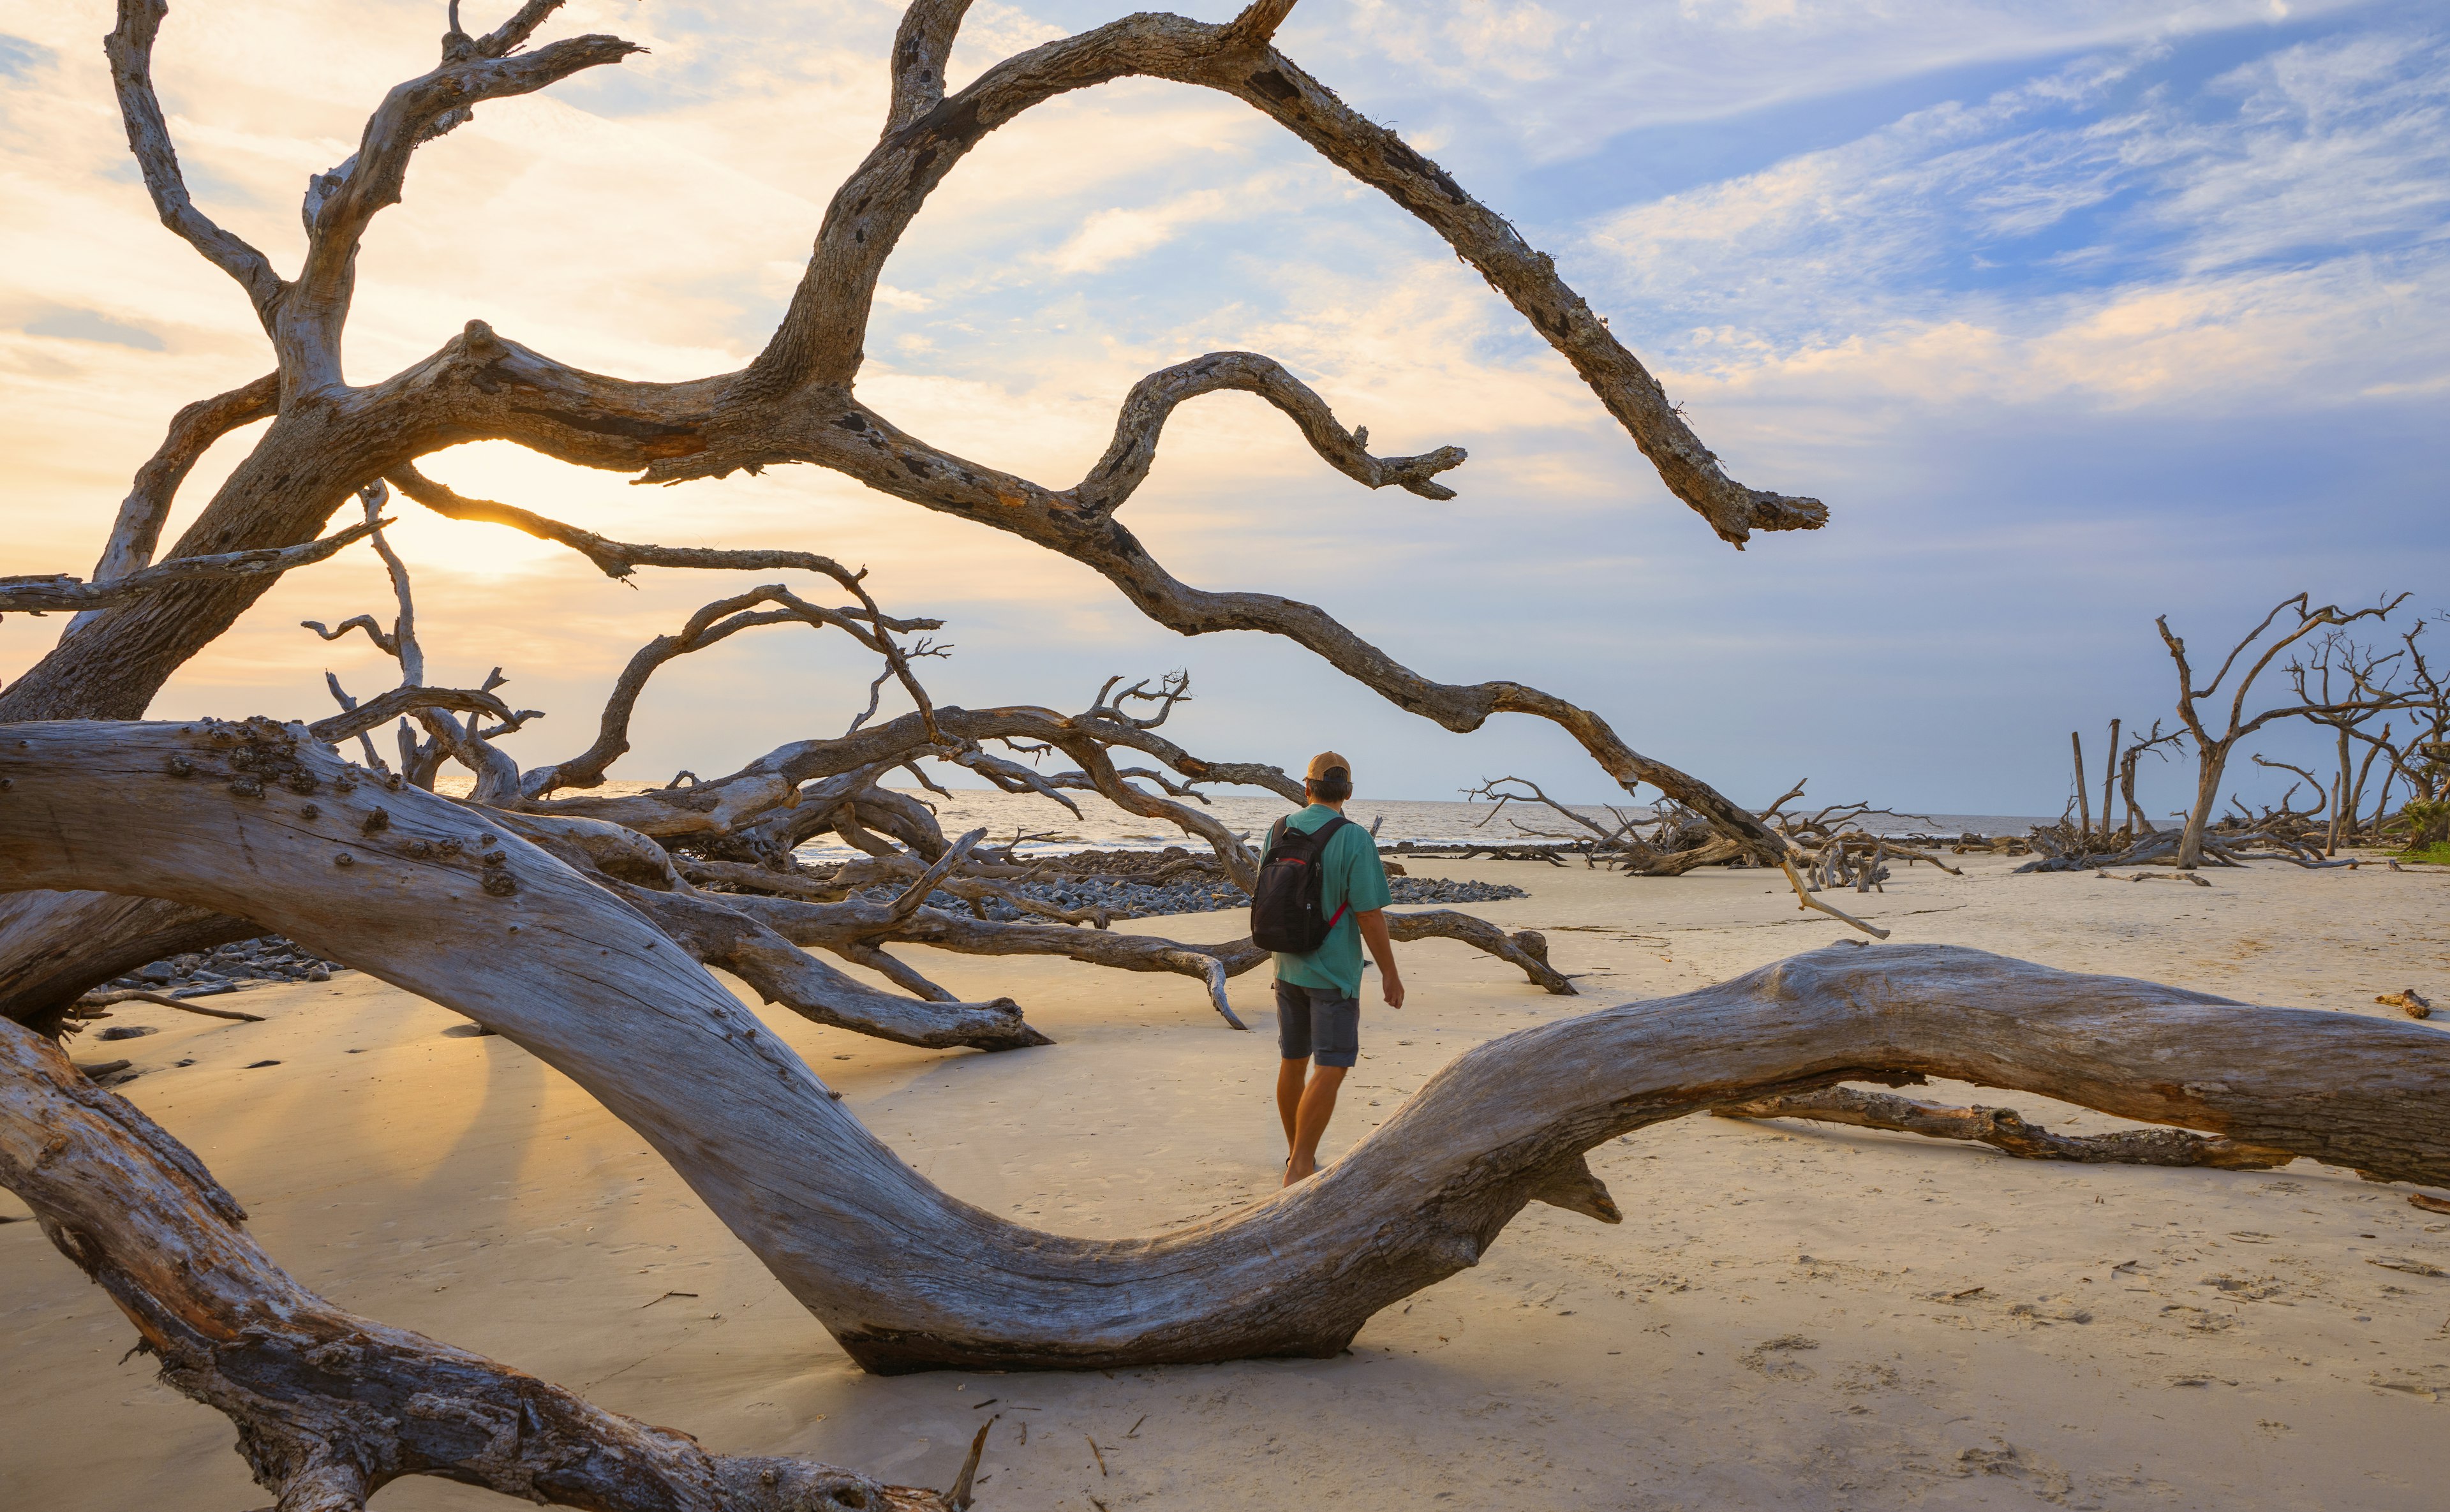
[
  {"x": 331, "y": 1407},
  {"x": 711, "y": 625},
  {"x": 2003, "y": 1130},
  {"x": 85, "y": 1005},
  {"x": 384, "y": 708},
  {"x": 908, "y": 1278},
  {"x": 1525, "y": 948},
  {"x": 46, "y": 593}
]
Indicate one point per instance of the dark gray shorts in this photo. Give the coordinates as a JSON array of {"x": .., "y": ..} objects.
[{"x": 1316, "y": 1022}]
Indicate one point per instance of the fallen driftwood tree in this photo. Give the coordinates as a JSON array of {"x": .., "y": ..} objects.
[
  {"x": 907, "y": 1278},
  {"x": 1832, "y": 847}
]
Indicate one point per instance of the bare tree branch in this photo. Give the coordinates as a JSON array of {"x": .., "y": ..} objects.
[
  {"x": 1125, "y": 466},
  {"x": 340, "y": 204},
  {"x": 922, "y": 45},
  {"x": 130, "y": 47},
  {"x": 48, "y": 592},
  {"x": 384, "y": 708},
  {"x": 714, "y": 623}
]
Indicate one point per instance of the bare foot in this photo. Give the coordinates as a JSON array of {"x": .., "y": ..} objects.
[{"x": 1297, "y": 1169}]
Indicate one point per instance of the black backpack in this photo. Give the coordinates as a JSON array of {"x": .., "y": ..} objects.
[{"x": 1286, "y": 905}]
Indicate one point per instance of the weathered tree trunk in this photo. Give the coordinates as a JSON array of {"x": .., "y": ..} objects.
[
  {"x": 2083, "y": 785},
  {"x": 908, "y": 1278},
  {"x": 2109, "y": 781},
  {"x": 2211, "y": 761}
]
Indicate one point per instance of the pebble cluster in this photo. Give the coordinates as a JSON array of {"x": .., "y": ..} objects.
[
  {"x": 226, "y": 968},
  {"x": 1124, "y": 898}
]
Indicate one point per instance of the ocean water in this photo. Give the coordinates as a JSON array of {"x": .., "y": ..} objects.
[{"x": 1044, "y": 827}]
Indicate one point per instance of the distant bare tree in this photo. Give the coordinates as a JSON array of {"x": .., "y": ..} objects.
[
  {"x": 2344, "y": 686},
  {"x": 2212, "y": 749}
]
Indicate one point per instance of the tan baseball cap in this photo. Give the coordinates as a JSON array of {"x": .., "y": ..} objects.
[{"x": 1320, "y": 763}]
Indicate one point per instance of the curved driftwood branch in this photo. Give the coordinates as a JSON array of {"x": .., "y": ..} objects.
[
  {"x": 640, "y": 871},
  {"x": 2003, "y": 1130},
  {"x": 717, "y": 622},
  {"x": 782, "y": 972},
  {"x": 331, "y": 1407},
  {"x": 1525, "y": 948},
  {"x": 908, "y": 1278},
  {"x": 619, "y": 560},
  {"x": 383, "y": 708},
  {"x": 1141, "y": 420},
  {"x": 57, "y": 946}
]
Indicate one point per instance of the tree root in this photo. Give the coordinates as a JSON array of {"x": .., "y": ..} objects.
[{"x": 2003, "y": 1130}]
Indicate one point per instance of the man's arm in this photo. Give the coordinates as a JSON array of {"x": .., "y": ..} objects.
[{"x": 1382, "y": 950}]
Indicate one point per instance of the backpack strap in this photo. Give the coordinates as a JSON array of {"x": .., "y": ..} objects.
[{"x": 1323, "y": 834}]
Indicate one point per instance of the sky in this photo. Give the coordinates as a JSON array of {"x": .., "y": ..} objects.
[{"x": 2075, "y": 312}]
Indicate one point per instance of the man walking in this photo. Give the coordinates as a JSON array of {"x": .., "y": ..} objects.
[{"x": 1318, "y": 992}]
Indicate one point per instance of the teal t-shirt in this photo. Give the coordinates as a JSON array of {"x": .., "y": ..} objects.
[{"x": 1350, "y": 877}]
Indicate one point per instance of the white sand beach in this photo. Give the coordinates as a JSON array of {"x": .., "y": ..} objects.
[{"x": 1791, "y": 1316}]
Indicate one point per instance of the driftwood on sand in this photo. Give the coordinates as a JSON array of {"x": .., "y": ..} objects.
[
  {"x": 2003, "y": 1130},
  {"x": 907, "y": 1278},
  {"x": 581, "y": 924}
]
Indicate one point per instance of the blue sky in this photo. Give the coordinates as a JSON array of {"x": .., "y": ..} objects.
[{"x": 2074, "y": 313}]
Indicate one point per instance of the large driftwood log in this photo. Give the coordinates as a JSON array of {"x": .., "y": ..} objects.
[
  {"x": 331, "y": 1407},
  {"x": 909, "y": 1278},
  {"x": 2004, "y": 1130}
]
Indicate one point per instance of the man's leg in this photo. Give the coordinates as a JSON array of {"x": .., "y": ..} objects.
[
  {"x": 1335, "y": 1032},
  {"x": 1293, "y": 1043},
  {"x": 1289, "y": 1094},
  {"x": 1317, "y": 1107}
]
